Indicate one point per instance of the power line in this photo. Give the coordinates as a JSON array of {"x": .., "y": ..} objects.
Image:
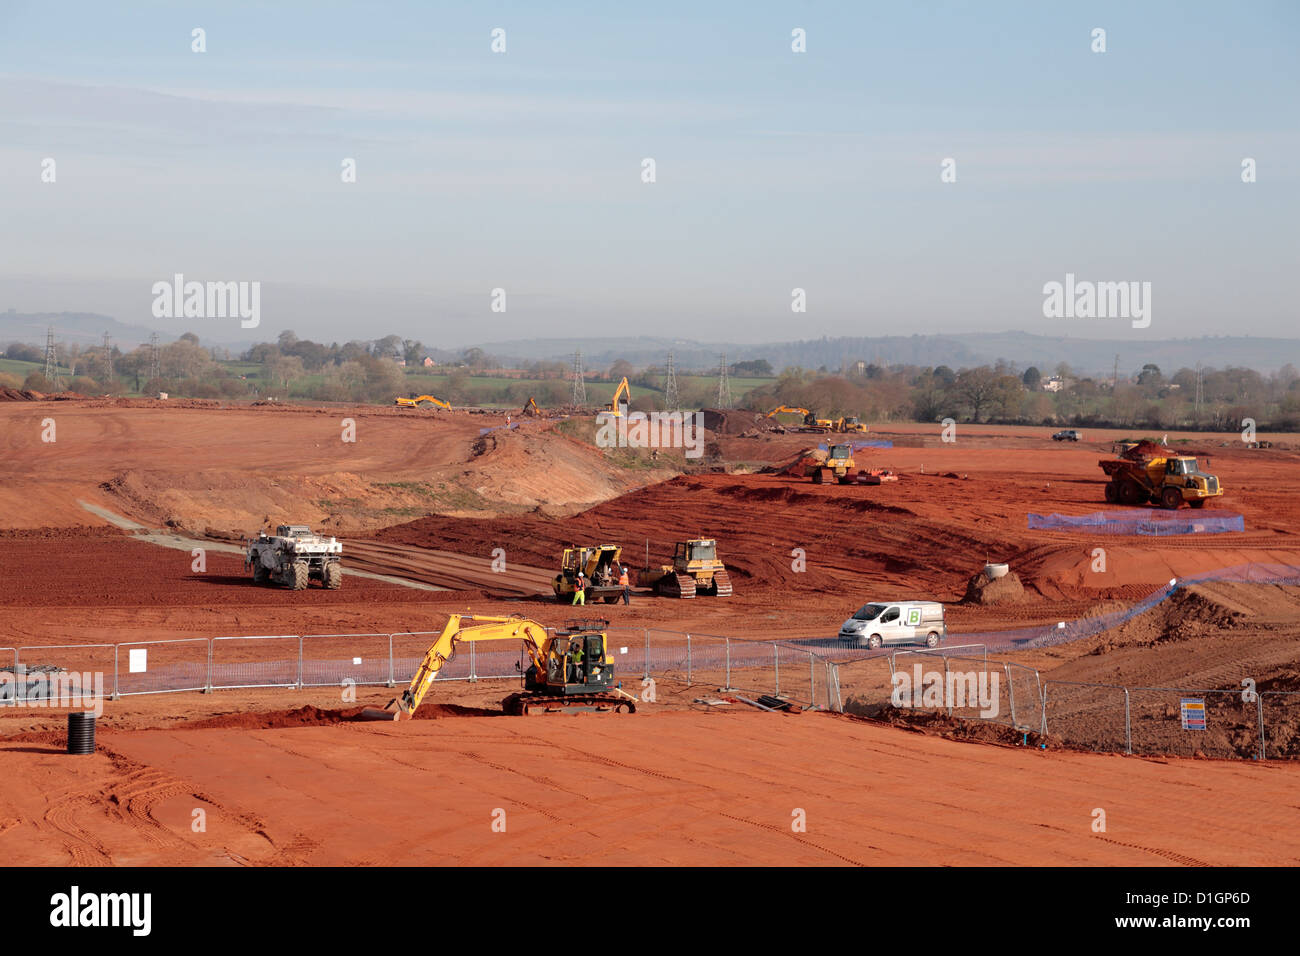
[
  {"x": 579, "y": 385},
  {"x": 724, "y": 387},
  {"x": 671, "y": 401},
  {"x": 51, "y": 358}
]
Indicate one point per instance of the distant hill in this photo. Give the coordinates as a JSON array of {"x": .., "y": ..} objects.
[
  {"x": 1084, "y": 356},
  {"x": 83, "y": 328},
  {"x": 1087, "y": 356}
]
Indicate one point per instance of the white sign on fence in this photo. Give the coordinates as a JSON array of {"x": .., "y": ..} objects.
[{"x": 139, "y": 658}]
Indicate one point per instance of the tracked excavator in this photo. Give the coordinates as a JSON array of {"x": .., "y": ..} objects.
[
  {"x": 622, "y": 398},
  {"x": 571, "y": 670},
  {"x": 695, "y": 570},
  {"x": 422, "y": 401}
]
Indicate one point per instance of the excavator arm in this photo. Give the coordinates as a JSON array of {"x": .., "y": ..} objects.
[
  {"x": 787, "y": 410},
  {"x": 412, "y": 402},
  {"x": 624, "y": 391},
  {"x": 465, "y": 628}
]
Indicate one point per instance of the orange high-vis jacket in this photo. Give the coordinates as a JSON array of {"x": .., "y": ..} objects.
[{"x": 622, "y": 578}]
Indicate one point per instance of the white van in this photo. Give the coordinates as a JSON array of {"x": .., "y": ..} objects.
[{"x": 895, "y": 622}]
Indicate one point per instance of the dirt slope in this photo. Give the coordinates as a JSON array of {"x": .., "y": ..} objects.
[{"x": 204, "y": 467}]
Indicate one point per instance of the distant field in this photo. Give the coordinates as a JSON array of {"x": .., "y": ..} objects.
[
  {"x": 485, "y": 390},
  {"x": 23, "y": 369}
]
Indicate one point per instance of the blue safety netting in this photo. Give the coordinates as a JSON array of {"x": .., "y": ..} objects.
[{"x": 1142, "y": 521}]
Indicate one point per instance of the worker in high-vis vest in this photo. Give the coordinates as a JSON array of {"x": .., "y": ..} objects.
[
  {"x": 580, "y": 589},
  {"x": 626, "y": 584},
  {"x": 575, "y": 662}
]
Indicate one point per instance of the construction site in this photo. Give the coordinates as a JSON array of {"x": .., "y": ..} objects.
[{"x": 333, "y": 627}]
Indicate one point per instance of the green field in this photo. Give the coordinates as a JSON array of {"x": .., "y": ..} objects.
[{"x": 23, "y": 369}]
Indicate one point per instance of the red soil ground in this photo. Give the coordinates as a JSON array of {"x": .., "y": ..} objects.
[
  {"x": 663, "y": 789},
  {"x": 685, "y": 786}
]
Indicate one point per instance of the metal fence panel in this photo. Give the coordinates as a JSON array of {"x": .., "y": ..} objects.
[
  {"x": 667, "y": 654},
  {"x": 158, "y": 667},
  {"x": 863, "y": 686},
  {"x": 270, "y": 660},
  {"x": 410, "y": 647},
  {"x": 1025, "y": 689},
  {"x": 1280, "y": 712},
  {"x": 330, "y": 659},
  {"x": 1156, "y": 720},
  {"x": 71, "y": 669},
  {"x": 1092, "y": 716},
  {"x": 627, "y": 646}
]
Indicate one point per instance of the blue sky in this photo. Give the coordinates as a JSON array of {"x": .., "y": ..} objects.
[{"x": 775, "y": 170}]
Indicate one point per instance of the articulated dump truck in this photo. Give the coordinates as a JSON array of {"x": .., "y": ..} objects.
[{"x": 1145, "y": 472}]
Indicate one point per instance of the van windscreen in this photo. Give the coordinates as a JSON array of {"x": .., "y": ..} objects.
[{"x": 869, "y": 612}]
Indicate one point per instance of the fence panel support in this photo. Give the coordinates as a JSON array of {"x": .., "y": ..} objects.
[
  {"x": 1259, "y": 707},
  {"x": 1128, "y": 726}
]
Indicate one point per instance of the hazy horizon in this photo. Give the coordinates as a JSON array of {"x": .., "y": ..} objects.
[{"x": 775, "y": 170}]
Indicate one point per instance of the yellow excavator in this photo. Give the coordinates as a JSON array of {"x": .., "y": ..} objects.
[
  {"x": 422, "y": 401},
  {"x": 571, "y": 672},
  {"x": 623, "y": 392},
  {"x": 530, "y": 409}
]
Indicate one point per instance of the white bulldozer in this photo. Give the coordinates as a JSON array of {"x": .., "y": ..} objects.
[{"x": 294, "y": 556}]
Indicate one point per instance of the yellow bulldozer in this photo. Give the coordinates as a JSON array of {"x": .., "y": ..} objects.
[
  {"x": 838, "y": 465},
  {"x": 422, "y": 401},
  {"x": 695, "y": 570},
  {"x": 571, "y": 670},
  {"x": 599, "y": 564}
]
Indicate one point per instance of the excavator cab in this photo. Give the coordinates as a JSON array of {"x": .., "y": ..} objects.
[{"x": 576, "y": 662}]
